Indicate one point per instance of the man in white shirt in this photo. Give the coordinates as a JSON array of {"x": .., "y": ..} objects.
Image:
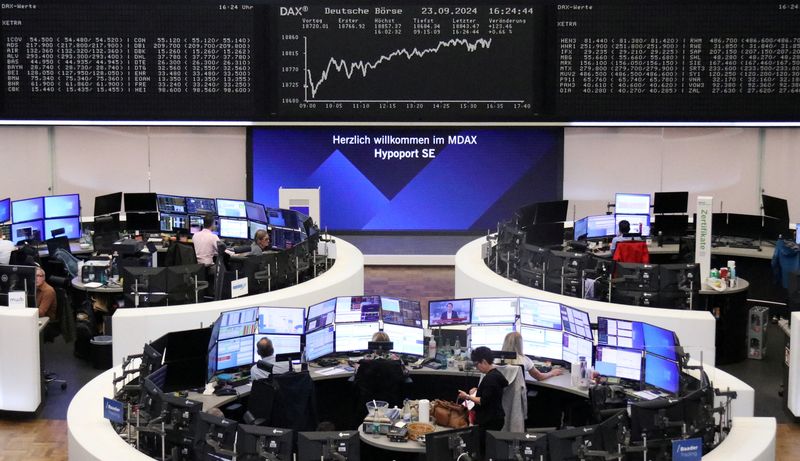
[
  {"x": 205, "y": 242},
  {"x": 267, "y": 353},
  {"x": 6, "y": 247}
]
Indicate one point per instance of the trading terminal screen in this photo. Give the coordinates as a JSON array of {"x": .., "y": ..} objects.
[
  {"x": 494, "y": 310},
  {"x": 539, "y": 313}
]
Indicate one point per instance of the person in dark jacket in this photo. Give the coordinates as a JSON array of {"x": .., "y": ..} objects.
[{"x": 488, "y": 397}]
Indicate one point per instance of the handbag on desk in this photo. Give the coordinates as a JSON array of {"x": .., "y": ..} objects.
[{"x": 449, "y": 414}]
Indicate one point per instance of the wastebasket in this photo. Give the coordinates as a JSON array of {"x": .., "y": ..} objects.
[{"x": 101, "y": 352}]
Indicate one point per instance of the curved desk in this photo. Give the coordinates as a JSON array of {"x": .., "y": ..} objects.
[
  {"x": 20, "y": 371},
  {"x": 135, "y": 327},
  {"x": 107, "y": 289}
]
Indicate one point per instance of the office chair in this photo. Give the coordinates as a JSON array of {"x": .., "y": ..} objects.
[
  {"x": 379, "y": 379},
  {"x": 260, "y": 402},
  {"x": 180, "y": 253},
  {"x": 632, "y": 251},
  {"x": 64, "y": 325},
  {"x": 283, "y": 400}
]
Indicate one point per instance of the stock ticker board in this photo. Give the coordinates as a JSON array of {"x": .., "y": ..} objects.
[{"x": 526, "y": 61}]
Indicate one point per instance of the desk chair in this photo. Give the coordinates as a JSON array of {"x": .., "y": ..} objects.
[
  {"x": 379, "y": 379},
  {"x": 180, "y": 253},
  {"x": 64, "y": 324},
  {"x": 632, "y": 251},
  {"x": 284, "y": 400}
]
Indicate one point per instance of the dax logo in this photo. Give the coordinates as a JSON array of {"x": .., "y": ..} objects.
[{"x": 293, "y": 10}]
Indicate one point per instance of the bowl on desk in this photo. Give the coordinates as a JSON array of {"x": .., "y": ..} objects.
[{"x": 377, "y": 408}]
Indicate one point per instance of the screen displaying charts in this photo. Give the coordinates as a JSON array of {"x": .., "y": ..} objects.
[
  {"x": 490, "y": 336},
  {"x": 319, "y": 343},
  {"x": 358, "y": 309},
  {"x": 640, "y": 223},
  {"x": 231, "y": 208},
  {"x": 354, "y": 336},
  {"x": 401, "y": 311},
  {"x": 283, "y": 344},
  {"x": 450, "y": 312},
  {"x": 281, "y": 320},
  {"x": 576, "y": 322},
  {"x": 238, "y": 323},
  {"x": 541, "y": 342},
  {"x": 600, "y": 226},
  {"x": 632, "y": 203},
  {"x": 575, "y": 347},
  {"x": 234, "y": 352},
  {"x": 494, "y": 310},
  {"x": 233, "y": 228},
  {"x": 622, "y": 363},
  {"x": 540, "y": 313},
  {"x": 661, "y": 373},
  {"x": 406, "y": 339},
  {"x": 620, "y": 333},
  {"x": 320, "y": 315},
  {"x": 198, "y": 205}
]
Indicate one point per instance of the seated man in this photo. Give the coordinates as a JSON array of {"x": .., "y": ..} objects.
[
  {"x": 6, "y": 247},
  {"x": 624, "y": 235},
  {"x": 45, "y": 296},
  {"x": 205, "y": 242},
  {"x": 261, "y": 243},
  {"x": 268, "y": 367}
]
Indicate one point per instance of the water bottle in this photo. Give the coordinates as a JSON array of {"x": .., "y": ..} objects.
[
  {"x": 457, "y": 347},
  {"x": 114, "y": 268},
  {"x": 583, "y": 373},
  {"x": 432, "y": 348}
]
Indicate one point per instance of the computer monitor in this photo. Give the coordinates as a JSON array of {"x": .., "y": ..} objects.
[
  {"x": 660, "y": 341},
  {"x": 29, "y": 209},
  {"x": 679, "y": 277},
  {"x": 354, "y": 336},
  {"x": 147, "y": 222},
  {"x": 358, "y": 309},
  {"x": 234, "y": 352},
  {"x": 490, "y": 336},
  {"x": 201, "y": 206},
  {"x": 231, "y": 208},
  {"x": 233, "y": 228},
  {"x": 580, "y": 229},
  {"x": 632, "y": 203},
  {"x": 238, "y": 322},
  {"x": 281, "y": 320},
  {"x": 256, "y": 443},
  {"x": 572, "y": 444},
  {"x": 600, "y": 226},
  {"x": 400, "y": 311},
  {"x": 150, "y": 398},
  {"x": 181, "y": 282},
  {"x": 637, "y": 277},
  {"x": 253, "y": 227},
  {"x": 538, "y": 313},
  {"x": 775, "y": 207},
  {"x": 545, "y": 234},
  {"x": 215, "y": 437},
  {"x": 321, "y": 315},
  {"x": 551, "y": 212},
  {"x": 670, "y": 225},
  {"x": 18, "y": 278},
  {"x": 5, "y": 210},
  {"x": 320, "y": 343},
  {"x": 640, "y": 223},
  {"x": 652, "y": 417},
  {"x": 542, "y": 343},
  {"x": 140, "y": 201},
  {"x": 407, "y": 339},
  {"x": 661, "y": 373},
  {"x": 108, "y": 204},
  {"x": 576, "y": 322},
  {"x": 196, "y": 224},
  {"x": 494, "y": 310},
  {"x": 282, "y": 344},
  {"x": 62, "y": 206},
  {"x": 670, "y": 202},
  {"x": 613, "y": 432},
  {"x": 29, "y": 230},
  {"x": 744, "y": 225},
  {"x": 144, "y": 286},
  {"x": 211, "y": 363},
  {"x": 444, "y": 312},
  {"x": 171, "y": 204},
  {"x": 502, "y": 446},
  {"x": 71, "y": 226},
  {"x": 181, "y": 416},
  {"x": 173, "y": 222},
  {"x": 774, "y": 228},
  {"x": 618, "y": 362},
  {"x": 574, "y": 347},
  {"x": 339, "y": 445},
  {"x": 275, "y": 217},
  {"x": 525, "y": 216},
  {"x": 719, "y": 223},
  {"x": 451, "y": 445},
  {"x": 255, "y": 212},
  {"x": 620, "y": 333}
]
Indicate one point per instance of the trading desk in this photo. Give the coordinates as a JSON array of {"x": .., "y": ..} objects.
[{"x": 20, "y": 363}]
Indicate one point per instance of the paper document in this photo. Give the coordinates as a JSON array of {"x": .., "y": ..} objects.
[{"x": 331, "y": 371}]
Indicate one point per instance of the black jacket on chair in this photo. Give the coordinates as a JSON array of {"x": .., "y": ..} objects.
[
  {"x": 380, "y": 379},
  {"x": 285, "y": 400}
]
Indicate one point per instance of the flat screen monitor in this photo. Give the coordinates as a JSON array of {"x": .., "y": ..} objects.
[
  {"x": 282, "y": 344},
  {"x": 29, "y": 209},
  {"x": 108, "y": 204},
  {"x": 659, "y": 341},
  {"x": 171, "y": 204},
  {"x": 670, "y": 202},
  {"x": 491, "y": 336},
  {"x": 254, "y": 441},
  {"x": 281, "y": 320},
  {"x": 234, "y": 352},
  {"x": 581, "y": 229},
  {"x": 354, "y": 336},
  {"x": 545, "y": 234},
  {"x": 661, "y": 373},
  {"x": 774, "y": 228},
  {"x": 71, "y": 226},
  {"x": 515, "y": 445},
  {"x": 321, "y": 315},
  {"x": 148, "y": 222},
  {"x": 525, "y": 215},
  {"x": 647, "y": 417},
  {"x": 632, "y": 203},
  {"x": 62, "y": 206},
  {"x": 618, "y": 362},
  {"x": 231, "y": 208},
  {"x": 5, "y": 210},
  {"x": 449, "y": 312},
  {"x": 144, "y": 286},
  {"x": 453, "y": 444},
  {"x": 775, "y": 207},
  {"x": 255, "y": 212},
  {"x": 233, "y": 228},
  {"x": 253, "y": 227},
  {"x": 314, "y": 446},
  {"x": 358, "y": 309},
  {"x": 320, "y": 343},
  {"x": 400, "y": 311},
  {"x": 275, "y": 217},
  {"x": 564, "y": 444},
  {"x": 182, "y": 281},
  {"x": 620, "y": 333},
  {"x": 18, "y": 278},
  {"x": 551, "y": 212},
  {"x": 201, "y": 206},
  {"x": 171, "y": 222},
  {"x": 576, "y": 322},
  {"x": 238, "y": 323},
  {"x": 600, "y": 226},
  {"x": 744, "y": 225},
  {"x": 640, "y": 223},
  {"x": 211, "y": 364},
  {"x": 406, "y": 339},
  {"x": 719, "y": 223},
  {"x": 670, "y": 225},
  {"x": 140, "y": 201},
  {"x": 221, "y": 432},
  {"x": 684, "y": 278},
  {"x": 494, "y": 310},
  {"x": 541, "y": 342},
  {"x": 538, "y": 313},
  {"x": 195, "y": 224},
  {"x": 30, "y": 230},
  {"x": 575, "y": 347}
]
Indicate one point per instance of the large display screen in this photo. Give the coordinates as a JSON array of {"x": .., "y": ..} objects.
[
  {"x": 27, "y": 210},
  {"x": 400, "y": 311},
  {"x": 661, "y": 373},
  {"x": 62, "y": 206},
  {"x": 576, "y": 322},
  {"x": 406, "y": 339},
  {"x": 358, "y": 309},
  {"x": 234, "y": 352},
  {"x": 354, "y": 336},
  {"x": 449, "y": 312},
  {"x": 71, "y": 226},
  {"x": 575, "y": 347},
  {"x": 320, "y": 343},
  {"x": 541, "y": 342},
  {"x": 618, "y": 362},
  {"x": 620, "y": 333},
  {"x": 490, "y": 336},
  {"x": 281, "y": 320},
  {"x": 282, "y": 344},
  {"x": 538, "y": 313},
  {"x": 494, "y": 310},
  {"x": 238, "y": 323},
  {"x": 659, "y": 341},
  {"x": 320, "y": 315},
  {"x": 410, "y": 179}
]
